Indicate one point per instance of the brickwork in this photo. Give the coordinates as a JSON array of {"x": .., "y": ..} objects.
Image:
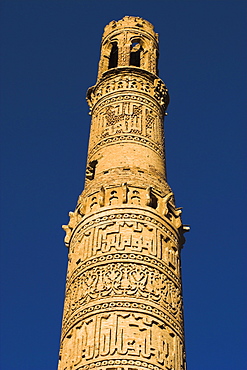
[{"x": 123, "y": 305}]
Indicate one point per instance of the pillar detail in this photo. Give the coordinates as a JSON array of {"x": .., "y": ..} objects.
[{"x": 123, "y": 305}]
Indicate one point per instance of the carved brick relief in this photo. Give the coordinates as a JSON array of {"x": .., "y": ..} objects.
[
  {"x": 125, "y": 236},
  {"x": 126, "y": 304},
  {"x": 116, "y": 236},
  {"x": 129, "y": 280},
  {"x": 127, "y": 118},
  {"x": 80, "y": 266},
  {"x": 124, "y": 195},
  {"x": 122, "y": 335},
  {"x": 129, "y": 81},
  {"x": 134, "y": 175},
  {"x": 128, "y": 121}
]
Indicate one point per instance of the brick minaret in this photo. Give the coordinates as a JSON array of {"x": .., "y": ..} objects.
[{"x": 123, "y": 306}]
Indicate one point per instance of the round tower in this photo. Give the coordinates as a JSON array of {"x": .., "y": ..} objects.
[{"x": 123, "y": 305}]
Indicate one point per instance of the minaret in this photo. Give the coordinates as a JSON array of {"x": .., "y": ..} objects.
[{"x": 123, "y": 306}]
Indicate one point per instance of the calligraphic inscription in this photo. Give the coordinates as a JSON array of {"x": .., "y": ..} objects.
[
  {"x": 125, "y": 118},
  {"x": 118, "y": 236},
  {"x": 125, "y": 304},
  {"x": 132, "y": 236},
  {"x": 123, "y": 280},
  {"x": 137, "y": 98},
  {"x": 121, "y": 335}
]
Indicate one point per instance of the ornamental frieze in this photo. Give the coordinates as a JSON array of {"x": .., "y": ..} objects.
[
  {"x": 129, "y": 196},
  {"x": 126, "y": 118},
  {"x": 123, "y": 280},
  {"x": 119, "y": 336},
  {"x": 125, "y": 237},
  {"x": 136, "y": 81},
  {"x": 126, "y": 305}
]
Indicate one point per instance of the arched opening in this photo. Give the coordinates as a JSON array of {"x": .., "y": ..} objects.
[
  {"x": 90, "y": 170},
  {"x": 157, "y": 60},
  {"x": 113, "y": 60},
  {"x": 154, "y": 201},
  {"x": 135, "y": 53}
]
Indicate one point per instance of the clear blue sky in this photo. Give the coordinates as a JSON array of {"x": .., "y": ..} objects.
[{"x": 49, "y": 57}]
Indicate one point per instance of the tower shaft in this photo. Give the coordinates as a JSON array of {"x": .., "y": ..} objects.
[{"x": 123, "y": 304}]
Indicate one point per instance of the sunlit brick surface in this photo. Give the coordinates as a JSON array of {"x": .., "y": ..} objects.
[{"x": 123, "y": 306}]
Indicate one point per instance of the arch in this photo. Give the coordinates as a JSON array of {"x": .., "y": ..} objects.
[
  {"x": 157, "y": 54},
  {"x": 113, "y": 59},
  {"x": 135, "y": 52}
]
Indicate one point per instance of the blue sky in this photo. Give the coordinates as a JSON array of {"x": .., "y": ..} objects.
[{"x": 49, "y": 57}]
